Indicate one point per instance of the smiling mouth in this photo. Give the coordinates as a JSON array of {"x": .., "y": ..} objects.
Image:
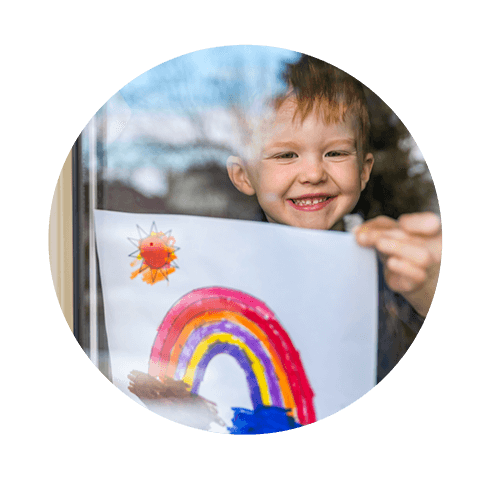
[{"x": 311, "y": 203}]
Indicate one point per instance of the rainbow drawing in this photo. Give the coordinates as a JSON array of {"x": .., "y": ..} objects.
[{"x": 214, "y": 320}]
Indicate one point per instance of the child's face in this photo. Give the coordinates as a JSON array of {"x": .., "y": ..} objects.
[{"x": 308, "y": 174}]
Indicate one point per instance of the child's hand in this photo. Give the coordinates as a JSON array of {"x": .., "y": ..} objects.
[{"x": 410, "y": 250}]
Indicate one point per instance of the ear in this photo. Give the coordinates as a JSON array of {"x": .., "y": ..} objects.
[
  {"x": 366, "y": 170},
  {"x": 239, "y": 176}
]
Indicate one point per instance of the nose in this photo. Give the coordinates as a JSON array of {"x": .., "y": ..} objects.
[{"x": 312, "y": 171}]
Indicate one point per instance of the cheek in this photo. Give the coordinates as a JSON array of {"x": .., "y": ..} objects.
[
  {"x": 273, "y": 183},
  {"x": 267, "y": 198},
  {"x": 271, "y": 197},
  {"x": 348, "y": 178}
]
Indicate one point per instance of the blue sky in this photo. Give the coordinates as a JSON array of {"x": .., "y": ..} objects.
[
  {"x": 193, "y": 84},
  {"x": 196, "y": 74}
]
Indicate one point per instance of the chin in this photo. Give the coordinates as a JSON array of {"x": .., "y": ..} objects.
[
  {"x": 312, "y": 225},
  {"x": 299, "y": 223}
]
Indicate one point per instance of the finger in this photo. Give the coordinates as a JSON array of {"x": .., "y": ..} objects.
[
  {"x": 416, "y": 254},
  {"x": 394, "y": 233},
  {"x": 368, "y": 233},
  {"x": 399, "y": 283},
  {"x": 425, "y": 223},
  {"x": 409, "y": 271}
]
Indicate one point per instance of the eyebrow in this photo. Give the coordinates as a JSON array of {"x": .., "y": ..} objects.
[
  {"x": 343, "y": 139},
  {"x": 328, "y": 144},
  {"x": 288, "y": 144}
]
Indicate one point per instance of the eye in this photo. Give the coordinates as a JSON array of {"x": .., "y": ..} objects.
[
  {"x": 335, "y": 153},
  {"x": 286, "y": 155}
]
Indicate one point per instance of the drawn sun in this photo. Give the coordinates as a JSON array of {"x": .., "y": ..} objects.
[{"x": 157, "y": 254}]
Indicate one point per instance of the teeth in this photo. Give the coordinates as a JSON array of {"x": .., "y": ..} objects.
[{"x": 310, "y": 201}]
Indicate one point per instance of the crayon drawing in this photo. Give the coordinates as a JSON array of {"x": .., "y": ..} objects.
[
  {"x": 209, "y": 321},
  {"x": 156, "y": 251}
]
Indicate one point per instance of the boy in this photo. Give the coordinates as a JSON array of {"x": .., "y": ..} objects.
[{"x": 308, "y": 171}]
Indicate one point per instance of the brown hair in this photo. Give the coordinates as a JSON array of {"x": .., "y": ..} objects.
[{"x": 318, "y": 86}]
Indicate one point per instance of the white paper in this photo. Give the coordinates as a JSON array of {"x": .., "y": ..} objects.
[{"x": 321, "y": 287}]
